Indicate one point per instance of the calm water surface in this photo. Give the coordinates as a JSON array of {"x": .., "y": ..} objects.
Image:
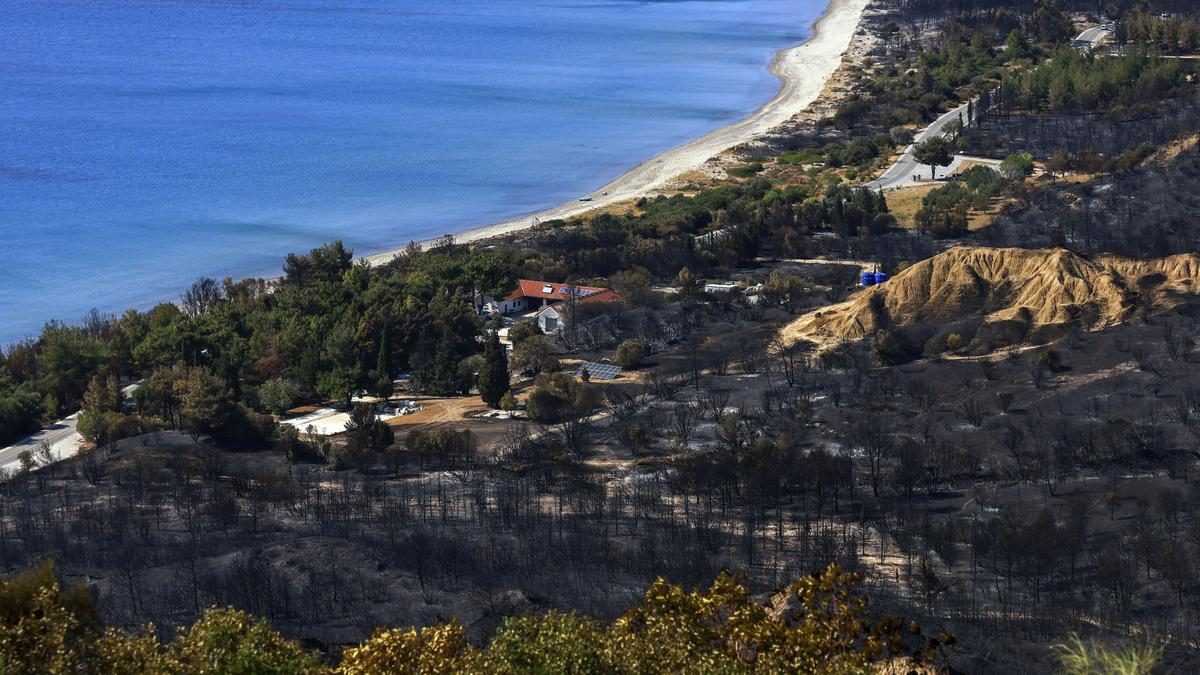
[{"x": 144, "y": 144}]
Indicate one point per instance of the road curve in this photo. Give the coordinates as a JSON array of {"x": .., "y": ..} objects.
[
  {"x": 901, "y": 173},
  {"x": 1091, "y": 36},
  {"x": 62, "y": 436}
]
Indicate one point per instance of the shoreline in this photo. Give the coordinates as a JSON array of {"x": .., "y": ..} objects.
[{"x": 803, "y": 71}]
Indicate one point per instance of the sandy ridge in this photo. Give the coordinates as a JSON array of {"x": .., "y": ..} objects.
[{"x": 803, "y": 72}]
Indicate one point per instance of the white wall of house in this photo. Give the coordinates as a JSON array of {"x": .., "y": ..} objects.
[
  {"x": 510, "y": 306},
  {"x": 550, "y": 321}
]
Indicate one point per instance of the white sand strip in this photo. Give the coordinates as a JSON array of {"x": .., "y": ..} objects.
[{"x": 803, "y": 72}]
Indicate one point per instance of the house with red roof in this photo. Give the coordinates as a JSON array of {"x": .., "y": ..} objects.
[{"x": 534, "y": 295}]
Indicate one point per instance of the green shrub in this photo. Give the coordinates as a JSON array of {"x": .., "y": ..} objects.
[
  {"x": 746, "y": 170},
  {"x": 630, "y": 353},
  {"x": 1077, "y": 657},
  {"x": 805, "y": 156},
  {"x": 558, "y": 396},
  {"x": 508, "y": 402},
  {"x": 817, "y": 624}
]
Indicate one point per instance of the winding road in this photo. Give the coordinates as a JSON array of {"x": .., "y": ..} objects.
[
  {"x": 906, "y": 170},
  {"x": 62, "y": 436}
]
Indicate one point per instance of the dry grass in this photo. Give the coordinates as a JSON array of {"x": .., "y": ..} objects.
[
  {"x": 696, "y": 180},
  {"x": 617, "y": 208},
  {"x": 905, "y": 203},
  {"x": 978, "y": 220},
  {"x": 1070, "y": 178},
  {"x": 1091, "y": 658},
  {"x": 1170, "y": 152},
  {"x": 968, "y": 165}
]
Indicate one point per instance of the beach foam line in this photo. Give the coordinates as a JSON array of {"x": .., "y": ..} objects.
[{"x": 803, "y": 71}]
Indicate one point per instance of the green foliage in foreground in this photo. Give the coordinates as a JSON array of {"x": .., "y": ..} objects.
[
  {"x": 1079, "y": 658},
  {"x": 819, "y": 624},
  {"x": 46, "y": 630},
  {"x": 815, "y": 625}
]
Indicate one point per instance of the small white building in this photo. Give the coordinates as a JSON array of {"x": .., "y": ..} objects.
[
  {"x": 720, "y": 288},
  {"x": 551, "y": 318}
]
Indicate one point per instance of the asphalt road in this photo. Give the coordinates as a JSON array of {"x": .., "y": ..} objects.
[
  {"x": 901, "y": 173},
  {"x": 62, "y": 437},
  {"x": 1092, "y": 36}
]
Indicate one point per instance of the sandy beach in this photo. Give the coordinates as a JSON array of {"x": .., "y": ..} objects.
[{"x": 803, "y": 72}]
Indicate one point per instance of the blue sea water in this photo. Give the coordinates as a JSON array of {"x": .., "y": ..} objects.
[{"x": 146, "y": 143}]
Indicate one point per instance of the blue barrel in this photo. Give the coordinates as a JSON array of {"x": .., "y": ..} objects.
[
  {"x": 880, "y": 277},
  {"x": 868, "y": 278}
]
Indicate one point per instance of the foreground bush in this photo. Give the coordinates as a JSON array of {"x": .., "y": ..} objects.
[
  {"x": 46, "y": 630},
  {"x": 1079, "y": 658},
  {"x": 815, "y": 625}
]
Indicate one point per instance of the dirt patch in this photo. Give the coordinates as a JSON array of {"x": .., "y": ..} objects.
[{"x": 453, "y": 413}]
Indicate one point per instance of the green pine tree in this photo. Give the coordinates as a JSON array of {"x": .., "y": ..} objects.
[
  {"x": 493, "y": 377},
  {"x": 383, "y": 364},
  {"x": 445, "y": 371}
]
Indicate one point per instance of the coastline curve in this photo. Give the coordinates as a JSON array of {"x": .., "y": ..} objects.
[{"x": 803, "y": 71}]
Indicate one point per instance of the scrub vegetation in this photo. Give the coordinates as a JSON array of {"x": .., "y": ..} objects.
[{"x": 996, "y": 438}]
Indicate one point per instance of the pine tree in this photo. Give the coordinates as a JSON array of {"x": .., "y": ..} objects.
[
  {"x": 933, "y": 153},
  {"x": 442, "y": 380},
  {"x": 383, "y": 364},
  {"x": 493, "y": 377}
]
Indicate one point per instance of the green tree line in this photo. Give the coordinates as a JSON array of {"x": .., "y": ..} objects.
[
  {"x": 1076, "y": 82},
  {"x": 1171, "y": 35},
  {"x": 818, "y": 624}
]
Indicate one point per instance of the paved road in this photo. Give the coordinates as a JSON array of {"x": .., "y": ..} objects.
[
  {"x": 901, "y": 174},
  {"x": 1091, "y": 36},
  {"x": 62, "y": 436}
]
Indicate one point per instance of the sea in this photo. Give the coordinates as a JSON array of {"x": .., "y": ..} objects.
[{"x": 145, "y": 144}]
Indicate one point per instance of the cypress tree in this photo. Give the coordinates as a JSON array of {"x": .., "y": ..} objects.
[
  {"x": 493, "y": 377},
  {"x": 445, "y": 372},
  {"x": 383, "y": 364}
]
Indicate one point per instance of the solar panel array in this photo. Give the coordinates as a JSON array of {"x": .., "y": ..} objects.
[
  {"x": 575, "y": 290},
  {"x": 599, "y": 371}
]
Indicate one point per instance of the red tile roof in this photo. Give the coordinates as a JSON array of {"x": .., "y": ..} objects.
[{"x": 547, "y": 290}]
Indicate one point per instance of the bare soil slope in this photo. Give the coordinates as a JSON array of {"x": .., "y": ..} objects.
[{"x": 1000, "y": 297}]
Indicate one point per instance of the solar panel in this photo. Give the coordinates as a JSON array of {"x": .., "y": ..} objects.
[{"x": 599, "y": 371}]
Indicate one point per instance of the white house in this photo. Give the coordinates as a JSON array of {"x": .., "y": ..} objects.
[{"x": 531, "y": 295}]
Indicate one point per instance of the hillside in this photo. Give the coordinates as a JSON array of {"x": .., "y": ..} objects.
[
  {"x": 1144, "y": 212},
  {"x": 994, "y": 298}
]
